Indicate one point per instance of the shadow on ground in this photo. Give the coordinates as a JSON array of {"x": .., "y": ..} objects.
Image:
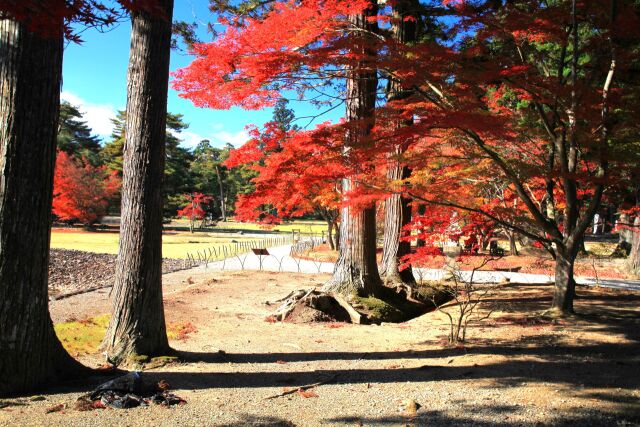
[{"x": 609, "y": 368}]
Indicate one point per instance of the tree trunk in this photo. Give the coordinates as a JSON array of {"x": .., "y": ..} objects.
[
  {"x": 513, "y": 243},
  {"x": 625, "y": 233},
  {"x": 30, "y": 74},
  {"x": 397, "y": 208},
  {"x": 397, "y": 214},
  {"x": 223, "y": 207},
  {"x": 137, "y": 324},
  {"x": 565, "y": 284},
  {"x": 330, "y": 234},
  {"x": 634, "y": 256},
  {"x": 356, "y": 270}
]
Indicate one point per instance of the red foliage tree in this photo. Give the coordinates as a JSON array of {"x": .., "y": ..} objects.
[
  {"x": 535, "y": 105},
  {"x": 81, "y": 192},
  {"x": 304, "y": 46},
  {"x": 519, "y": 119},
  {"x": 195, "y": 208},
  {"x": 295, "y": 176}
]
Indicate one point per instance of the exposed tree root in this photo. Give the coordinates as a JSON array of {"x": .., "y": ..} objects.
[{"x": 397, "y": 303}]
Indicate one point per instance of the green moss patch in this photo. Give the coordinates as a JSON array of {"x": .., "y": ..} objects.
[
  {"x": 378, "y": 310},
  {"x": 434, "y": 292},
  {"x": 82, "y": 336}
]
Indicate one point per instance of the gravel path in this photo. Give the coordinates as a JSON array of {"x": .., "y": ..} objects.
[
  {"x": 281, "y": 260},
  {"x": 515, "y": 370}
]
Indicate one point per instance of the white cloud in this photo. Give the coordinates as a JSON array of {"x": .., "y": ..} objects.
[
  {"x": 218, "y": 138},
  {"x": 236, "y": 139},
  {"x": 190, "y": 139},
  {"x": 97, "y": 116}
]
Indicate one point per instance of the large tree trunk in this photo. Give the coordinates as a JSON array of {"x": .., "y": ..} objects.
[
  {"x": 137, "y": 325},
  {"x": 397, "y": 214},
  {"x": 30, "y": 76},
  {"x": 634, "y": 256},
  {"x": 398, "y": 208},
  {"x": 356, "y": 271},
  {"x": 565, "y": 284}
]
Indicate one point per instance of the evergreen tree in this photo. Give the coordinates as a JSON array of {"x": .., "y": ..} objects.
[
  {"x": 284, "y": 116},
  {"x": 111, "y": 153},
  {"x": 177, "y": 177},
  {"x": 75, "y": 136}
]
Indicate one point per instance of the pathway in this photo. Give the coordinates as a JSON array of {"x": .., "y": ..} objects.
[{"x": 281, "y": 260}]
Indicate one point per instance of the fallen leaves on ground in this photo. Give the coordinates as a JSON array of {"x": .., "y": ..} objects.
[
  {"x": 307, "y": 393},
  {"x": 56, "y": 408}
]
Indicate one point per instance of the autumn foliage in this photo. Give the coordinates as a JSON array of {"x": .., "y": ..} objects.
[
  {"x": 81, "y": 191},
  {"x": 295, "y": 174},
  {"x": 521, "y": 112},
  {"x": 195, "y": 208}
]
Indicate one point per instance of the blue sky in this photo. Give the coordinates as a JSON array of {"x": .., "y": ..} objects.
[{"x": 94, "y": 78}]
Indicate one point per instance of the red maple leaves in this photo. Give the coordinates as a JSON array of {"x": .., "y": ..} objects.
[
  {"x": 81, "y": 192},
  {"x": 498, "y": 129},
  {"x": 195, "y": 208}
]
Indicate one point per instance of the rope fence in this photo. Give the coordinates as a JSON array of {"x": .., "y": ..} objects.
[{"x": 240, "y": 250}]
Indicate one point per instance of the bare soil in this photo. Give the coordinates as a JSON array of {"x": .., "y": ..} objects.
[
  {"x": 71, "y": 271},
  {"x": 517, "y": 368}
]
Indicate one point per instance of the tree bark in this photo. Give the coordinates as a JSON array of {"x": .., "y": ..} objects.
[
  {"x": 565, "y": 285},
  {"x": 397, "y": 208},
  {"x": 30, "y": 75},
  {"x": 356, "y": 271},
  {"x": 634, "y": 256},
  {"x": 513, "y": 243},
  {"x": 137, "y": 324},
  {"x": 397, "y": 214}
]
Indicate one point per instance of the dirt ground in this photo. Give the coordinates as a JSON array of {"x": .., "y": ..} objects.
[
  {"x": 515, "y": 369},
  {"x": 72, "y": 271}
]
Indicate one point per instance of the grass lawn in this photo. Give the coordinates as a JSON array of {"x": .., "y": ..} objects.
[
  {"x": 304, "y": 226},
  {"x": 174, "y": 244}
]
